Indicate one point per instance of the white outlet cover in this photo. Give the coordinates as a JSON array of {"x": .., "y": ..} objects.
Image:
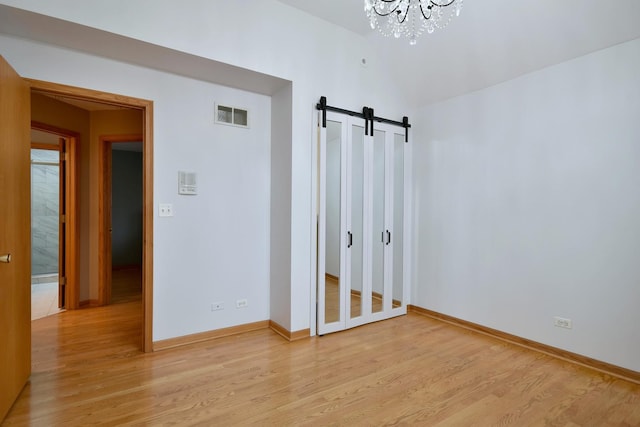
[
  {"x": 562, "y": 322},
  {"x": 165, "y": 209}
]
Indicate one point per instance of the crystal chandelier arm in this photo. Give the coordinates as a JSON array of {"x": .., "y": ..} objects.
[
  {"x": 423, "y": 14},
  {"x": 433, "y": 3},
  {"x": 430, "y": 7},
  {"x": 395, "y": 9}
]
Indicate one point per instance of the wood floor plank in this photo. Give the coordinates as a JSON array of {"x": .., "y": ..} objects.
[{"x": 88, "y": 368}]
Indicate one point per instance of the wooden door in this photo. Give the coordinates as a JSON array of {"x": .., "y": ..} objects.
[
  {"x": 15, "y": 236},
  {"x": 62, "y": 227},
  {"x": 106, "y": 228}
]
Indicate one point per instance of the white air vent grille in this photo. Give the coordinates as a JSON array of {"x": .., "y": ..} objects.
[{"x": 232, "y": 116}]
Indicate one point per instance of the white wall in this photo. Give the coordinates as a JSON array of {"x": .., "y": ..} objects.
[
  {"x": 215, "y": 248},
  {"x": 317, "y": 57},
  {"x": 527, "y": 206},
  {"x": 526, "y": 201},
  {"x": 280, "y": 231}
]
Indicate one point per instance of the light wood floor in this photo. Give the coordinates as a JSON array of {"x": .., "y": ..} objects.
[
  {"x": 332, "y": 301},
  {"x": 410, "y": 370}
]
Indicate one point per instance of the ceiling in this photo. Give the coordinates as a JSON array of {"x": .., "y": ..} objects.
[
  {"x": 49, "y": 138},
  {"x": 33, "y": 26},
  {"x": 43, "y": 137},
  {"x": 492, "y": 41},
  {"x": 84, "y": 104}
]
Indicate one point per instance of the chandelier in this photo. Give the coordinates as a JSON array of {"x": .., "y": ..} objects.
[{"x": 410, "y": 18}]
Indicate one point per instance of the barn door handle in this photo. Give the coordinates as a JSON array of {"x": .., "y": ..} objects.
[
  {"x": 388, "y": 237},
  {"x": 6, "y": 258},
  {"x": 350, "y": 239}
]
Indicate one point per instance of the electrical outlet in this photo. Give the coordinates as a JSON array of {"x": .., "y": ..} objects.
[
  {"x": 242, "y": 303},
  {"x": 217, "y": 306},
  {"x": 165, "y": 209},
  {"x": 561, "y": 322}
]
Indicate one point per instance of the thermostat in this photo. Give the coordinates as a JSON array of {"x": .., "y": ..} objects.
[{"x": 187, "y": 183}]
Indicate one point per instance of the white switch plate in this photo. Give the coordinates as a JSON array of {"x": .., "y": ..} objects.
[{"x": 165, "y": 209}]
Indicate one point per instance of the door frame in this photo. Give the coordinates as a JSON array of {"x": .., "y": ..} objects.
[
  {"x": 105, "y": 172},
  {"x": 72, "y": 228},
  {"x": 146, "y": 106}
]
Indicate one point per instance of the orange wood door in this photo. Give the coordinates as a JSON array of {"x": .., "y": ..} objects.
[
  {"x": 62, "y": 226},
  {"x": 105, "y": 234},
  {"x": 15, "y": 236}
]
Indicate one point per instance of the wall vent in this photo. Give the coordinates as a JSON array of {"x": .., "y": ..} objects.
[{"x": 232, "y": 116}]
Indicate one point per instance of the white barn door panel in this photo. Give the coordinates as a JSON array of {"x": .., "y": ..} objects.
[{"x": 362, "y": 232}]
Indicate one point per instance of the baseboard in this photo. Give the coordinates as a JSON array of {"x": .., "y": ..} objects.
[
  {"x": 287, "y": 334},
  {"x": 604, "y": 367},
  {"x": 209, "y": 335},
  {"x": 89, "y": 303}
]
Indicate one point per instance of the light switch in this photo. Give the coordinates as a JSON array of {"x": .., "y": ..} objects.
[{"x": 166, "y": 209}]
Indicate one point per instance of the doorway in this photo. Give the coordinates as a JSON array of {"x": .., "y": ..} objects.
[
  {"x": 47, "y": 226},
  {"x": 54, "y": 218},
  {"x": 120, "y": 217},
  {"x": 146, "y": 109}
]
